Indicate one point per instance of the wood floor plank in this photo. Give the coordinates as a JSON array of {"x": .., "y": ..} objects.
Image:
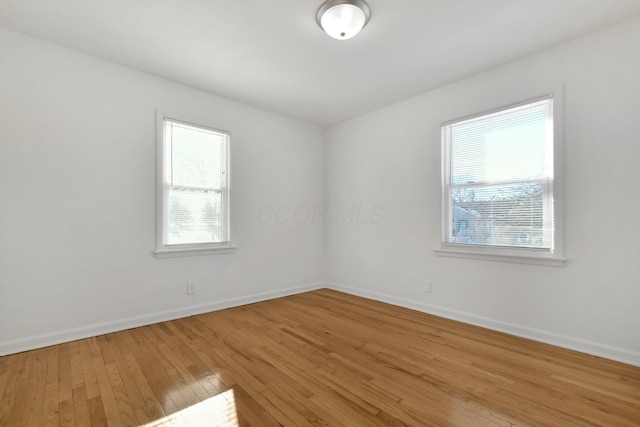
[
  {"x": 183, "y": 391},
  {"x": 51, "y": 403},
  {"x": 65, "y": 373},
  {"x": 123, "y": 368},
  {"x": 97, "y": 415},
  {"x": 151, "y": 370},
  {"x": 107, "y": 397},
  {"x": 37, "y": 387},
  {"x": 251, "y": 411},
  {"x": 75, "y": 356},
  {"x": 15, "y": 380},
  {"x": 146, "y": 406},
  {"x": 81, "y": 410},
  {"x": 123, "y": 402},
  {"x": 67, "y": 416},
  {"x": 89, "y": 382},
  {"x": 320, "y": 358}
]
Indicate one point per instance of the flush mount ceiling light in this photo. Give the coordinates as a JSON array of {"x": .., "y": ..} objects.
[{"x": 343, "y": 19}]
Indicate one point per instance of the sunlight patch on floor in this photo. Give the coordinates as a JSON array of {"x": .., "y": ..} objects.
[{"x": 216, "y": 411}]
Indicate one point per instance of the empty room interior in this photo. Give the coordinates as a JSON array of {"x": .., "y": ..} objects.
[{"x": 339, "y": 213}]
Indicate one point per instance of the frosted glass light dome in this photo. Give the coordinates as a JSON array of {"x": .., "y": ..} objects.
[{"x": 343, "y": 19}]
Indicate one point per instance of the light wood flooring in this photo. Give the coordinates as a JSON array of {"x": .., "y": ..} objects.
[{"x": 319, "y": 358}]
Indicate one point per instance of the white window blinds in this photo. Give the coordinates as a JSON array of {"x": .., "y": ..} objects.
[
  {"x": 195, "y": 190},
  {"x": 498, "y": 178}
]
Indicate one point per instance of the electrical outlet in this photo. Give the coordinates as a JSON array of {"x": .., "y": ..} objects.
[
  {"x": 191, "y": 288},
  {"x": 428, "y": 286}
]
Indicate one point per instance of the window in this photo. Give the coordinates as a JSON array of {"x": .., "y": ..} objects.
[
  {"x": 498, "y": 182},
  {"x": 193, "y": 189}
]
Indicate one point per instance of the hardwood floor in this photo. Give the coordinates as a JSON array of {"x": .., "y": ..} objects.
[{"x": 319, "y": 358}]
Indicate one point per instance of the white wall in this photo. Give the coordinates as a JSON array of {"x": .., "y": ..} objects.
[
  {"x": 77, "y": 158},
  {"x": 389, "y": 160},
  {"x": 77, "y": 217}
]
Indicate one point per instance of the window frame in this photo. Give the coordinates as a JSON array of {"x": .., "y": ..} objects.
[
  {"x": 535, "y": 256},
  {"x": 163, "y": 250}
]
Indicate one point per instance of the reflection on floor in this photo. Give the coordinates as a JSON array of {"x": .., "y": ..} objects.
[{"x": 217, "y": 411}]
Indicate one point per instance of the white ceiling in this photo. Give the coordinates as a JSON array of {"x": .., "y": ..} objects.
[{"x": 272, "y": 54}]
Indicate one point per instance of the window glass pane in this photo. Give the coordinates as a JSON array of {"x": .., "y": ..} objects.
[
  {"x": 194, "y": 216},
  {"x": 196, "y": 156},
  {"x": 501, "y": 147},
  {"x": 500, "y": 215}
]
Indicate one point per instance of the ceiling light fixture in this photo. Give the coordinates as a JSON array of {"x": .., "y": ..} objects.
[{"x": 343, "y": 19}]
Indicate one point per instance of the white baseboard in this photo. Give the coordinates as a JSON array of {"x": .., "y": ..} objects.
[
  {"x": 583, "y": 346},
  {"x": 39, "y": 341},
  {"x": 608, "y": 352}
]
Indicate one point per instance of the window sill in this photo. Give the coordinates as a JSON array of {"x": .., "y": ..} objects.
[
  {"x": 172, "y": 253},
  {"x": 548, "y": 261}
]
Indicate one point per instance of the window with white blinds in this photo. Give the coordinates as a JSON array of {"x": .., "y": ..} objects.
[
  {"x": 195, "y": 192},
  {"x": 498, "y": 178}
]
